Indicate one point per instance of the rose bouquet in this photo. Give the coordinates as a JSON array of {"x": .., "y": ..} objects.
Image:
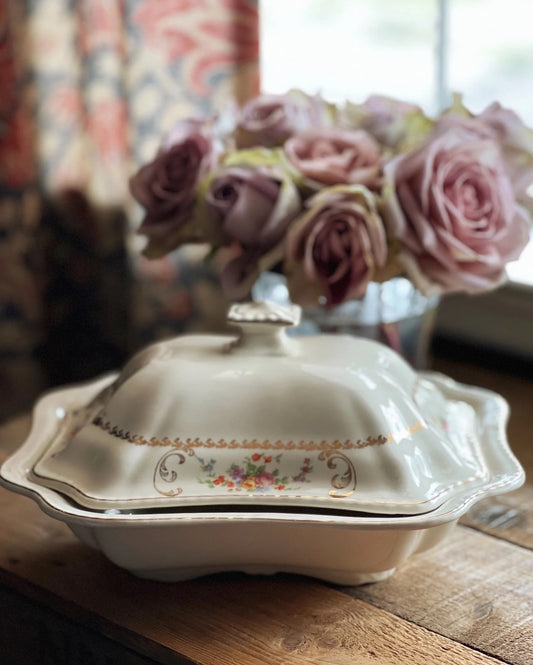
[{"x": 338, "y": 196}]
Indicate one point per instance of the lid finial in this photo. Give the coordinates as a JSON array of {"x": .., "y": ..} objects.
[
  {"x": 265, "y": 312},
  {"x": 263, "y": 326}
]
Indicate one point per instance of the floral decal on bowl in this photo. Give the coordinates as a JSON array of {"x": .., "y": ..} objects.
[{"x": 257, "y": 473}]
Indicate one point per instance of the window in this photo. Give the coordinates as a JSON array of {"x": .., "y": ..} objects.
[
  {"x": 417, "y": 50},
  {"x": 349, "y": 49}
]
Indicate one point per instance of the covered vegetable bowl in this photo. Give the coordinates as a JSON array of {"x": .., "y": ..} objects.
[{"x": 260, "y": 452}]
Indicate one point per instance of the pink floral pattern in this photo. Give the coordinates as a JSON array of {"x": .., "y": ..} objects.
[
  {"x": 257, "y": 473},
  {"x": 202, "y": 37},
  {"x": 107, "y": 123}
]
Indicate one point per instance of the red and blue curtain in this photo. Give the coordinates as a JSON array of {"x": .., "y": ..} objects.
[{"x": 87, "y": 89}]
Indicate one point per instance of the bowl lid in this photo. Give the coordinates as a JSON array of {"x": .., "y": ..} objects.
[{"x": 263, "y": 418}]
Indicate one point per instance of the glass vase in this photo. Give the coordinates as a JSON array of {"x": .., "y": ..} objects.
[{"x": 393, "y": 312}]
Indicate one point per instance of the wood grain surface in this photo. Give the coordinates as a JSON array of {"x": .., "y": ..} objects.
[
  {"x": 474, "y": 589},
  {"x": 224, "y": 619},
  {"x": 468, "y": 601}
]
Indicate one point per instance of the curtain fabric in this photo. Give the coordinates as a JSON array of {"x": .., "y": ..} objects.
[{"x": 87, "y": 89}]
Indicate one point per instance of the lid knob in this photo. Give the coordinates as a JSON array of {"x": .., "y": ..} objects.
[{"x": 262, "y": 326}]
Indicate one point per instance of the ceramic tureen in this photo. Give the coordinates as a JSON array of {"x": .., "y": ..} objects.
[{"x": 262, "y": 452}]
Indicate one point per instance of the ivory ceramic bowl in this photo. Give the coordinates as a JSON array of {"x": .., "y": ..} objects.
[{"x": 326, "y": 456}]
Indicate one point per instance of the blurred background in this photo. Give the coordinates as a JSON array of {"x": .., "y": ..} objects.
[{"x": 88, "y": 88}]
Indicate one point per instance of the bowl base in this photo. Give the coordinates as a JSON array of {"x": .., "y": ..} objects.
[{"x": 341, "y": 577}]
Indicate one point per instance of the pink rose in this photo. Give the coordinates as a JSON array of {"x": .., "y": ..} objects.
[
  {"x": 508, "y": 127},
  {"x": 264, "y": 479},
  {"x": 166, "y": 187},
  {"x": 450, "y": 205},
  {"x": 336, "y": 247},
  {"x": 515, "y": 140},
  {"x": 392, "y": 122},
  {"x": 517, "y": 144},
  {"x": 244, "y": 202},
  {"x": 335, "y": 156},
  {"x": 269, "y": 120},
  {"x": 387, "y": 118},
  {"x": 251, "y": 208}
]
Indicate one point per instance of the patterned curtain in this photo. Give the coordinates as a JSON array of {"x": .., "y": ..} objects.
[{"x": 87, "y": 89}]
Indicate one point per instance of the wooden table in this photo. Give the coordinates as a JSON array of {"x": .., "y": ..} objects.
[{"x": 469, "y": 601}]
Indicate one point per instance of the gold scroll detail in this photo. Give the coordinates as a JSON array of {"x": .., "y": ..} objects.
[
  {"x": 246, "y": 444},
  {"x": 346, "y": 480},
  {"x": 165, "y": 473}
]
